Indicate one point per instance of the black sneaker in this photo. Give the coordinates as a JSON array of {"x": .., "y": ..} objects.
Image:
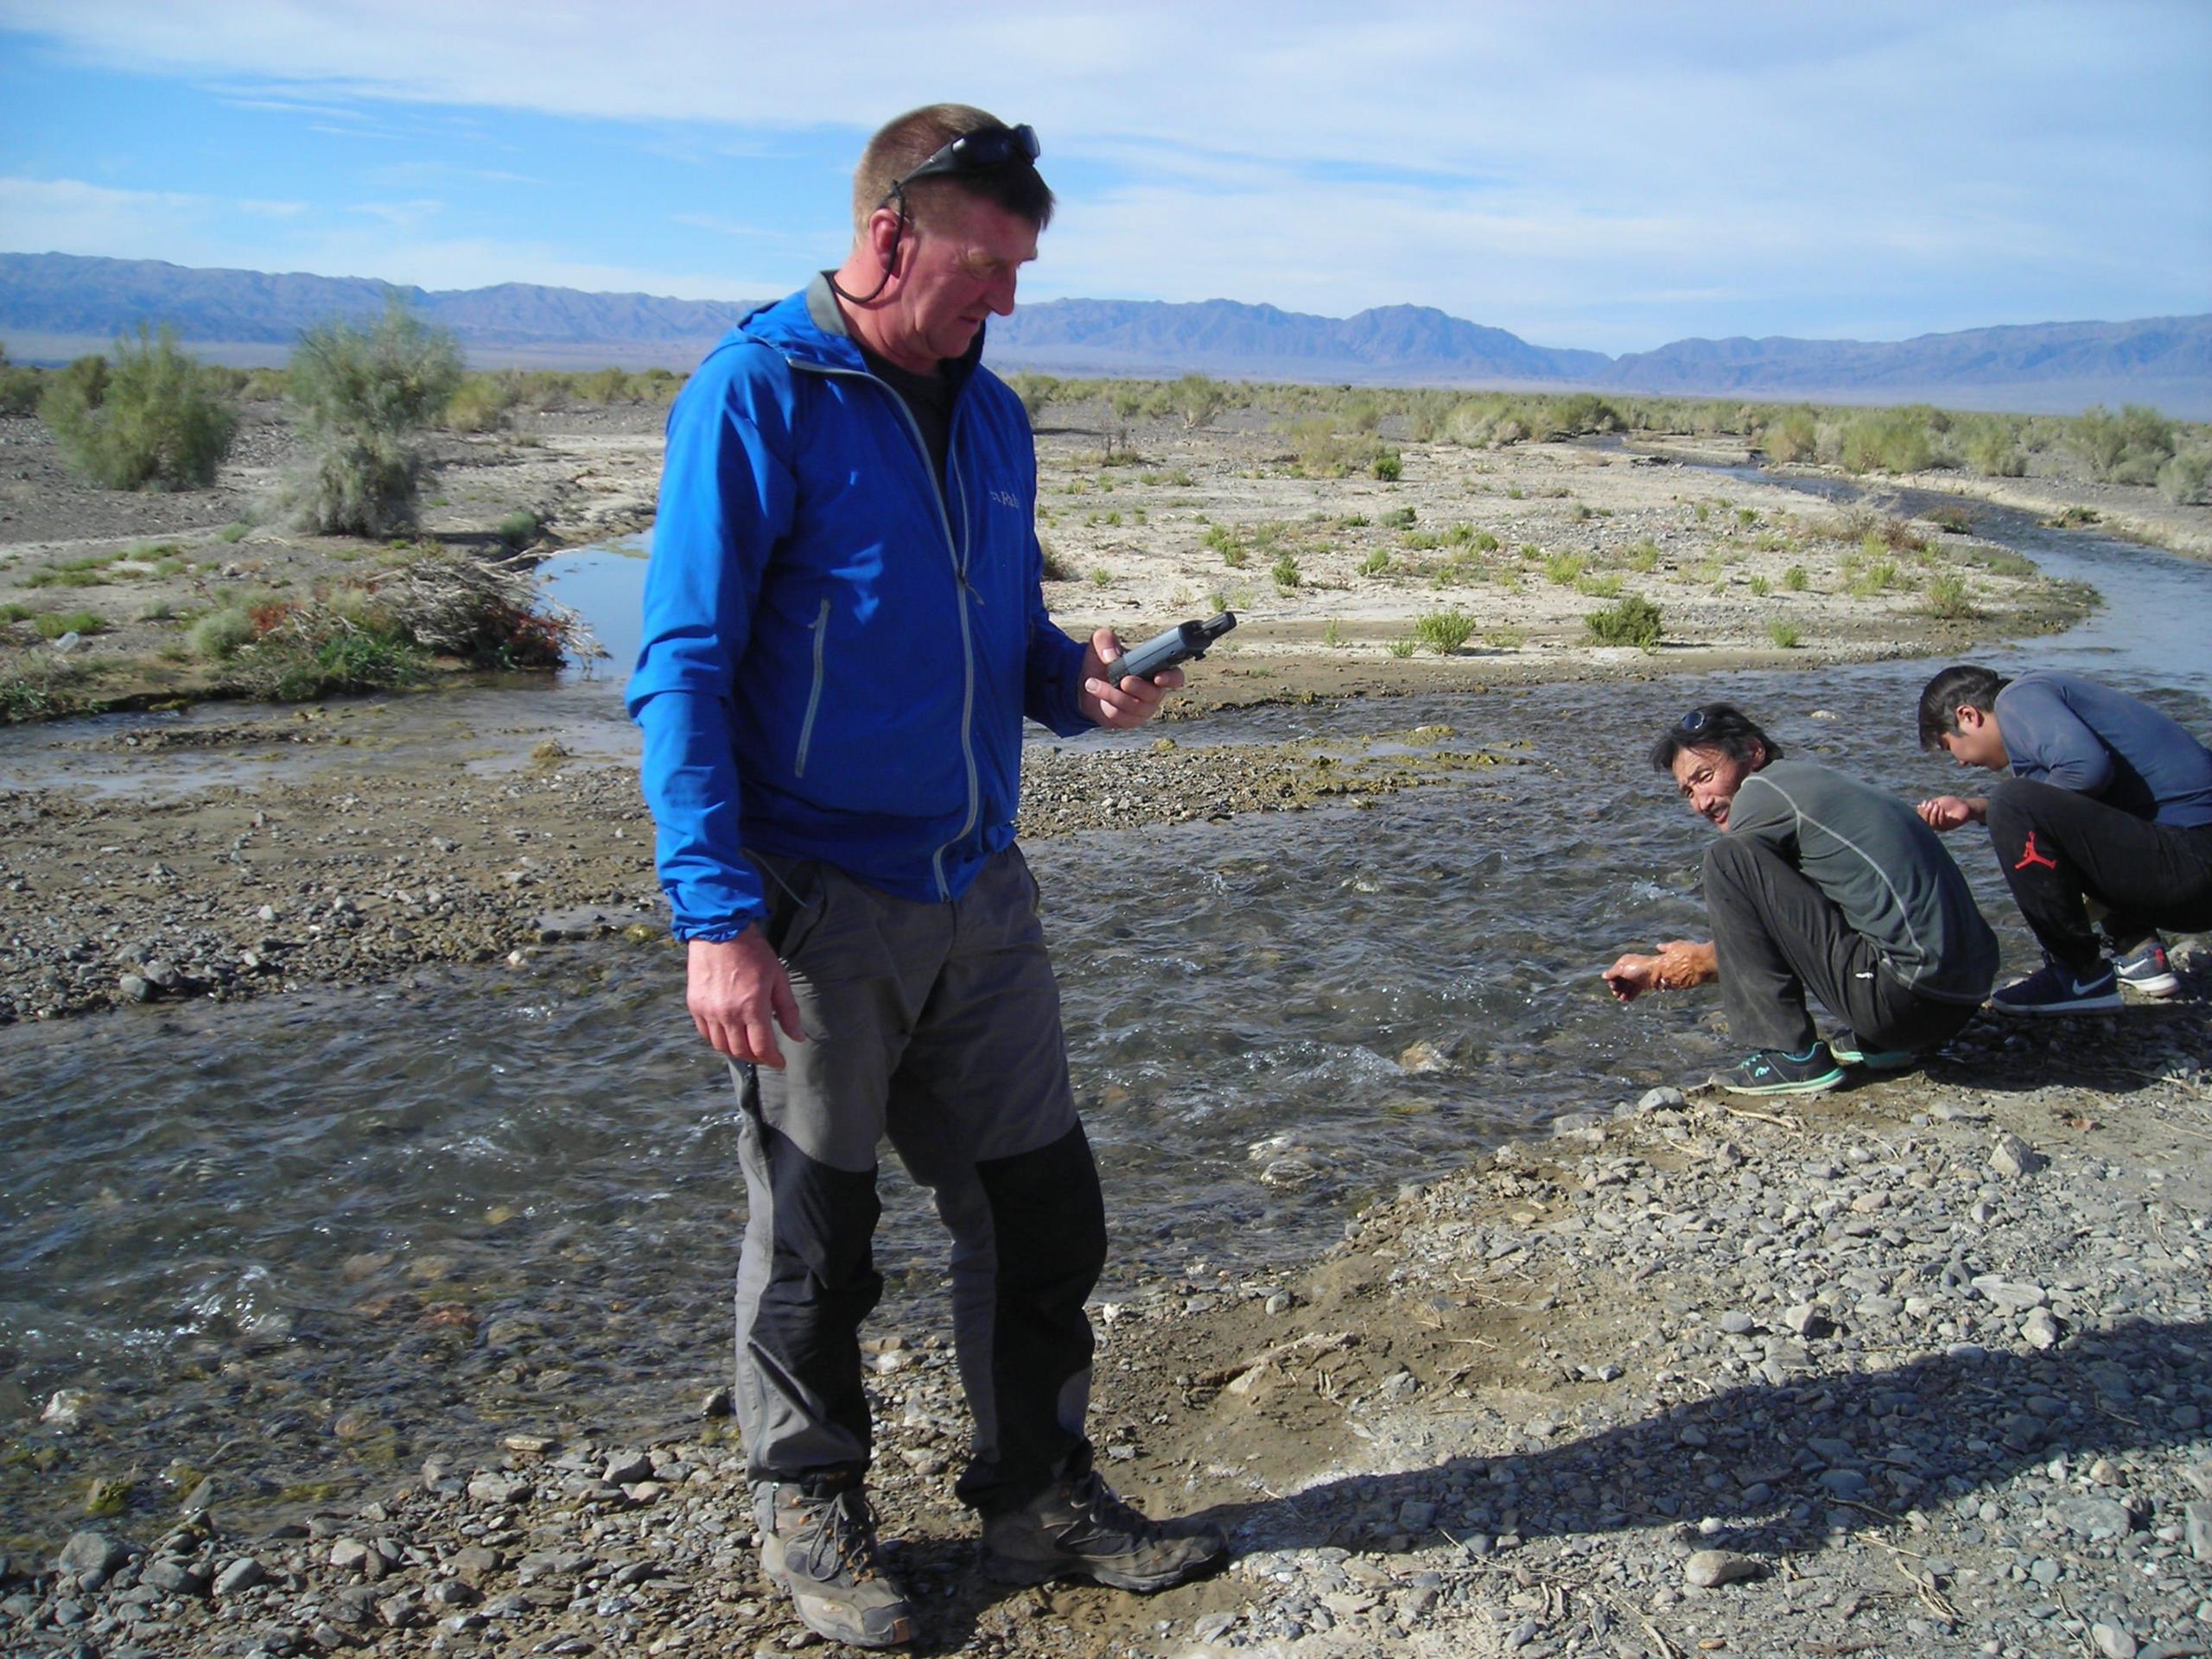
[
  {"x": 2053, "y": 990},
  {"x": 1079, "y": 1528},
  {"x": 820, "y": 1547},
  {"x": 1849, "y": 1051},
  {"x": 2146, "y": 968},
  {"x": 1771, "y": 1071}
]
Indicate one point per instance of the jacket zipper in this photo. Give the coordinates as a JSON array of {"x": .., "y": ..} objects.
[
  {"x": 814, "y": 697},
  {"x": 957, "y": 549}
]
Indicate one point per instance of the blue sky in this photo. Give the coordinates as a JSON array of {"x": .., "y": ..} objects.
[{"x": 1596, "y": 175}]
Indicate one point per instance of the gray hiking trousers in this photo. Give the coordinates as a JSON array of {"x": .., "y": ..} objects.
[{"x": 936, "y": 1026}]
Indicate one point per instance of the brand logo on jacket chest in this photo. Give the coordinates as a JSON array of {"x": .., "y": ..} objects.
[{"x": 1006, "y": 498}]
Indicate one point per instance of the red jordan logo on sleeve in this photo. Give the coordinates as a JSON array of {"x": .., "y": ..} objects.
[{"x": 2029, "y": 855}]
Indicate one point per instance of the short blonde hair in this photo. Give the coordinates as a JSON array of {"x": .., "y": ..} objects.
[{"x": 904, "y": 143}]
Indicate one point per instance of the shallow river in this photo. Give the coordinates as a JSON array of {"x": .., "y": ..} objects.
[{"x": 310, "y": 1236}]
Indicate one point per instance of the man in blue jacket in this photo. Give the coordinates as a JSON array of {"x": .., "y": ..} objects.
[
  {"x": 844, "y": 632},
  {"x": 2109, "y": 801}
]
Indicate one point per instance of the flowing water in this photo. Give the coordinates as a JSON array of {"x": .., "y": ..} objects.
[{"x": 319, "y": 1233}]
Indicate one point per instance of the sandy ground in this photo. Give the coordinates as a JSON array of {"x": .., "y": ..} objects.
[{"x": 1481, "y": 1427}]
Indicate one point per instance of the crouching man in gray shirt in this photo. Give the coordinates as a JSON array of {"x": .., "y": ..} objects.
[{"x": 1817, "y": 883}]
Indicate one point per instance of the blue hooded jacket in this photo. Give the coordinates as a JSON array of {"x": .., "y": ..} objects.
[{"x": 838, "y": 649}]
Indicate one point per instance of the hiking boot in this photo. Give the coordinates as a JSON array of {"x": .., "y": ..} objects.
[
  {"x": 2146, "y": 968},
  {"x": 1847, "y": 1050},
  {"x": 820, "y": 1547},
  {"x": 2054, "y": 990},
  {"x": 1078, "y": 1528},
  {"x": 1771, "y": 1071}
]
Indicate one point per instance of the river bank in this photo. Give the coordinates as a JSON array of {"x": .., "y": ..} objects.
[
  {"x": 1923, "y": 1361},
  {"x": 1920, "y": 1368}
]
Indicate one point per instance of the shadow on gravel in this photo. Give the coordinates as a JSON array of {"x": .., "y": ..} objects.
[{"x": 1781, "y": 1466}]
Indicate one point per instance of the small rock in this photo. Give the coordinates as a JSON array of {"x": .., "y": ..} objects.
[
  {"x": 91, "y": 1558},
  {"x": 240, "y": 1576},
  {"x": 2199, "y": 1519},
  {"x": 2039, "y": 1329},
  {"x": 627, "y": 1468},
  {"x": 2112, "y": 1641},
  {"x": 1709, "y": 1568},
  {"x": 1735, "y": 1322},
  {"x": 2013, "y": 1157},
  {"x": 1660, "y": 1100}
]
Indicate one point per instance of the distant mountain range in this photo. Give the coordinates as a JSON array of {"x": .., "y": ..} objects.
[{"x": 56, "y": 305}]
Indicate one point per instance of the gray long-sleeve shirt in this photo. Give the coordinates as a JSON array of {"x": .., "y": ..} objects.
[
  {"x": 2062, "y": 730},
  {"x": 1878, "y": 863}
]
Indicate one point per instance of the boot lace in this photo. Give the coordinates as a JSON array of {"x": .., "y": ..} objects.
[{"x": 837, "y": 1545}]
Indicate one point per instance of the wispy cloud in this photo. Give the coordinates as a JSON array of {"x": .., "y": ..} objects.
[{"x": 1587, "y": 175}]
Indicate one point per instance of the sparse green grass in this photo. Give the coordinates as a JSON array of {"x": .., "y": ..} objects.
[
  {"x": 1444, "y": 632},
  {"x": 1333, "y": 636},
  {"x": 1760, "y": 588},
  {"x": 1563, "y": 569},
  {"x": 52, "y": 624},
  {"x": 1644, "y": 557},
  {"x": 1376, "y": 563},
  {"x": 1947, "y": 597},
  {"x": 1506, "y": 639},
  {"x": 1598, "y": 587},
  {"x": 1398, "y": 518},
  {"x": 1784, "y": 634},
  {"x": 1101, "y": 576},
  {"x": 1794, "y": 579},
  {"x": 1634, "y": 622},
  {"x": 1404, "y": 645},
  {"x": 1287, "y": 574}
]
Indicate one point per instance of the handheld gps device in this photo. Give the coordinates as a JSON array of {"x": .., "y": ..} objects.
[{"x": 1179, "y": 645}]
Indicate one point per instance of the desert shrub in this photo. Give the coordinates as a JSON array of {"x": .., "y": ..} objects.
[
  {"x": 154, "y": 418},
  {"x": 1634, "y": 622},
  {"x": 1888, "y": 440},
  {"x": 1563, "y": 569},
  {"x": 1794, "y": 579},
  {"x": 1760, "y": 588},
  {"x": 1287, "y": 573},
  {"x": 1404, "y": 645},
  {"x": 363, "y": 396},
  {"x": 1644, "y": 556},
  {"x": 1598, "y": 587},
  {"x": 2186, "y": 481},
  {"x": 19, "y": 386},
  {"x": 1990, "y": 447},
  {"x": 2129, "y": 448},
  {"x": 215, "y": 636},
  {"x": 1444, "y": 632},
  {"x": 1035, "y": 391},
  {"x": 1376, "y": 563},
  {"x": 481, "y": 402},
  {"x": 1790, "y": 435},
  {"x": 1196, "y": 400},
  {"x": 1320, "y": 451},
  {"x": 1947, "y": 597},
  {"x": 1784, "y": 634},
  {"x": 1389, "y": 467},
  {"x": 1055, "y": 566},
  {"x": 520, "y": 528},
  {"x": 1398, "y": 518}
]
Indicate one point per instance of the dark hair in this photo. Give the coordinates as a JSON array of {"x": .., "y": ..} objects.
[
  {"x": 1962, "y": 685},
  {"x": 1719, "y": 726},
  {"x": 905, "y": 143}
]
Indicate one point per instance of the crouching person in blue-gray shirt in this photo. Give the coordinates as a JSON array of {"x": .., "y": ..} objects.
[
  {"x": 2109, "y": 805},
  {"x": 1818, "y": 883},
  {"x": 844, "y": 629}
]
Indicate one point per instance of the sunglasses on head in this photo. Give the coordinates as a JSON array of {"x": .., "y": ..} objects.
[
  {"x": 1694, "y": 723},
  {"x": 978, "y": 152}
]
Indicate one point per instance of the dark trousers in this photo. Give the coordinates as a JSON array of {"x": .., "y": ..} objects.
[
  {"x": 937, "y": 1027},
  {"x": 2058, "y": 850},
  {"x": 1778, "y": 936}
]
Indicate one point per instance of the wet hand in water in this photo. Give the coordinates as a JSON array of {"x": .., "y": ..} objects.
[
  {"x": 1679, "y": 965},
  {"x": 1946, "y": 812}
]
